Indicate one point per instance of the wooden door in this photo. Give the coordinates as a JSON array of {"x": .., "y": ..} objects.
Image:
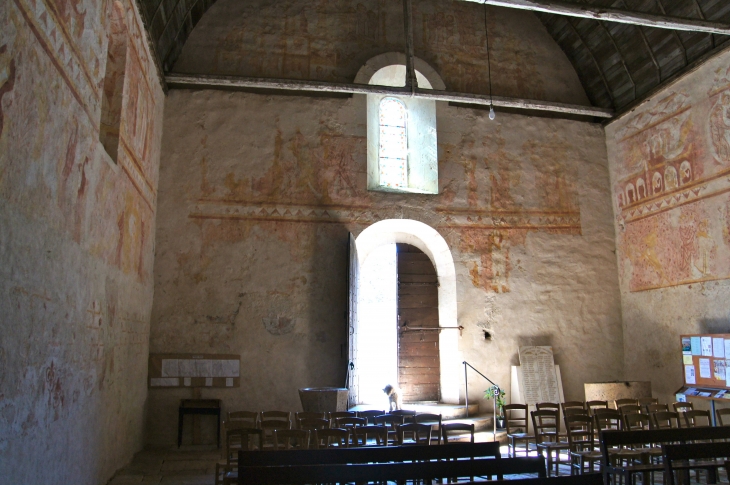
[
  {"x": 353, "y": 274},
  {"x": 418, "y": 350}
]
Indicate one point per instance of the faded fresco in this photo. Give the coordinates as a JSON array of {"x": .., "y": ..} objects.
[
  {"x": 76, "y": 232},
  {"x": 330, "y": 40},
  {"x": 671, "y": 189}
]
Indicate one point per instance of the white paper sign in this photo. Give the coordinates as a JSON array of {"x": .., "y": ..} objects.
[
  {"x": 706, "y": 344},
  {"x": 186, "y": 381},
  {"x": 689, "y": 374},
  {"x": 718, "y": 347},
  {"x": 229, "y": 381},
  {"x": 705, "y": 371},
  {"x": 169, "y": 368},
  {"x": 208, "y": 381},
  {"x": 164, "y": 382}
]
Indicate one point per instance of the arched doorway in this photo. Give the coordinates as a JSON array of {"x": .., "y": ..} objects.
[{"x": 428, "y": 240}]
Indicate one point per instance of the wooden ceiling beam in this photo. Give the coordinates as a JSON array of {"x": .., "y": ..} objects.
[
  {"x": 559, "y": 7},
  {"x": 203, "y": 81}
]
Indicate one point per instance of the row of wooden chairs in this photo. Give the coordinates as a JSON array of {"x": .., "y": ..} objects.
[
  {"x": 278, "y": 420},
  {"x": 581, "y": 419}
]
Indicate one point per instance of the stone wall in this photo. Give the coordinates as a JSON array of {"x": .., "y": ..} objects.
[
  {"x": 670, "y": 160},
  {"x": 77, "y": 229},
  {"x": 330, "y": 40},
  {"x": 258, "y": 193}
]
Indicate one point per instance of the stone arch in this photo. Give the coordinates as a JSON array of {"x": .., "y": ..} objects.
[
  {"x": 378, "y": 62},
  {"x": 428, "y": 240}
]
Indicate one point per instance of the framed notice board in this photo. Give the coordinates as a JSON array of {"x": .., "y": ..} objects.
[
  {"x": 194, "y": 370},
  {"x": 706, "y": 364}
]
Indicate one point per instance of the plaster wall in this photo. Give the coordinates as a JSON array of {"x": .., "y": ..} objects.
[
  {"x": 669, "y": 162},
  {"x": 76, "y": 241},
  {"x": 258, "y": 193},
  {"x": 330, "y": 40}
]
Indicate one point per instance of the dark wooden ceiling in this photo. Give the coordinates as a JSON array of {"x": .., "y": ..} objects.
[{"x": 618, "y": 64}]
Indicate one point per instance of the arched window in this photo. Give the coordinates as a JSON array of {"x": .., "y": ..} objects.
[
  {"x": 402, "y": 148},
  {"x": 393, "y": 144}
]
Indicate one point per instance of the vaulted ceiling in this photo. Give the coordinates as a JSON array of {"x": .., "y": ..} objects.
[{"x": 618, "y": 64}]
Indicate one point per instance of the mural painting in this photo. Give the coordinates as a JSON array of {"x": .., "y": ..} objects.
[
  {"x": 312, "y": 178},
  {"x": 79, "y": 252},
  {"x": 671, "y": 191}
]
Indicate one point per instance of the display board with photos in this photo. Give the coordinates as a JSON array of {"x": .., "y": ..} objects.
[{"x": 706, "y": 365}]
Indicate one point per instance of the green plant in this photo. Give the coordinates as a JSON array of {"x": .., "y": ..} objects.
[{"x": 489, "y": 394}]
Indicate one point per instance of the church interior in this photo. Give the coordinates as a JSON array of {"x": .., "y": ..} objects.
[{"x": 294, "y": 191}]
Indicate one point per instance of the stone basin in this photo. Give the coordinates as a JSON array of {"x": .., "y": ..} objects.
[{"x": 323, "y": 399}]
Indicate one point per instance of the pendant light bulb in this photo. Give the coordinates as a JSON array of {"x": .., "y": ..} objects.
[{"x": 491, "y": 112}]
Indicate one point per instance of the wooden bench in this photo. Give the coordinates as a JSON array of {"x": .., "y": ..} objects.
[
  {"x": 616, "y": 439},
  {"x": 695, "y": 451},
  {"x": 383, "y": 472},
  {"x": 369, "y": 454},
  {"x": 584, "y": 479}
]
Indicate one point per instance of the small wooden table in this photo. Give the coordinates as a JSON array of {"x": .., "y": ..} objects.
[{"x": 198, "y": 406}]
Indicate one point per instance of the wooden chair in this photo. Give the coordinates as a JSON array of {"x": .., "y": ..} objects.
[
  {"x": 310, "y": 424},
  {"x": 656, "y": 408},
  {"x": 623, "y": 402},
  {"x": 606, "y": 419},
  {"x": 286, "y": 439},
  {"x": 433, "y": 420},
  {"x": 360, "y": 435},
  {"x": 592, "y": 405},
  {"x": 630, "y": 409},
  {"x": 420, "y": 434},
  {"x": 681, "y": 407},
  {"x": 723, "y": 413},
  {"x": 546, "y": 425},
  {"x": 331, "y": 438},
  {"x": 242, "y": 419},
  {"x": 273, "y": 421},
  {"x": 308, "y": 415},
  {"x": 665, "y": 419},
  {"x": 313, "y": 423},
  {"x": 645, "y": 401},
  {"x": 581, "y": 443},
  {"x": 369, "y": 414},
  {"x": 350, "y": 422},
  {"x": 275, "y": 416},
  {"x": 697, "y": 418},
  {"x": 547, "y": 405},
  {"x": 635, "y": 421},
  {"x": 340, "y": 414},
  {"x": 452, "y": 430},
  {"x": 515, "y": 419},
  {"x": 408, "y": 414},
  {"x": 237, "y": 439},
  {"x": 572, "y": 405},
  {"x": 390, "y": 421}
]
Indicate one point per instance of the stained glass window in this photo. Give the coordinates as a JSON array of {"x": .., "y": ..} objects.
[{"x": 393, "y": 146}]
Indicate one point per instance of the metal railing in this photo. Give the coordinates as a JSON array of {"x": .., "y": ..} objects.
[{"x": 496, "y": 392}]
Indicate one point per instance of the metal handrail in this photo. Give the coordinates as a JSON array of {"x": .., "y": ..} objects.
[{"x": 497, "y": 390}]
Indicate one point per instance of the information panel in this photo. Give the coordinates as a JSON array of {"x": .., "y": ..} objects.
[
  {"x": 539, "y": 380},
  {"x": 706, "y": 363},
  {"x": 194, "y": 370}
]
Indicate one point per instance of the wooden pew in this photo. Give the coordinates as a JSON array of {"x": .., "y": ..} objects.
[
  {"x": 359, "y": 472},
  {"x": 584, "y": 479},
  {"x": 695, "y": 451},
  {"x": 369, "y": 454},
  {"x": 612, "y": 439}
]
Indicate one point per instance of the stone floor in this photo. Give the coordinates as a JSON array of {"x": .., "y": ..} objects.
[{"x": 190, "y": 465}]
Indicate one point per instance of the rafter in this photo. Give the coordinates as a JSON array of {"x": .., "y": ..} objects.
[
  {"x": 571, "y": 9},
  {"x": 202, "y": 81}
]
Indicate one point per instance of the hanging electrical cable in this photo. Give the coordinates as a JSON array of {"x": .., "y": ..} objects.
[{"x": 489, "y": 66}]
